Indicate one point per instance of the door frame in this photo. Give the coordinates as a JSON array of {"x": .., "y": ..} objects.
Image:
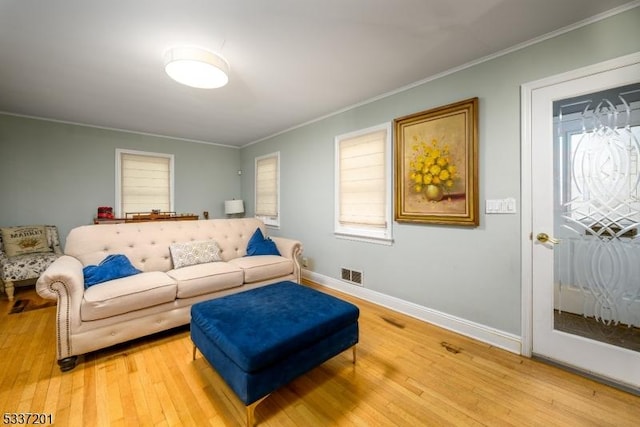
[{"x": 526, "y": 180}]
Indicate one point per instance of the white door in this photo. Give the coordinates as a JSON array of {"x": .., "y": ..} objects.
[{"x": 584, "y": 246}]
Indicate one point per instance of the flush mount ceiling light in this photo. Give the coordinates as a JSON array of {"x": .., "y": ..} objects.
[{"x": 196, "y": 67}]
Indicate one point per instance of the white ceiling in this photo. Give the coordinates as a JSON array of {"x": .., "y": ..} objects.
[{"x": 100, "y": 63}]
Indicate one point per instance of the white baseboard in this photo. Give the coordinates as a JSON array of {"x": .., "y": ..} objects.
[{"x": 486, "y": 334}]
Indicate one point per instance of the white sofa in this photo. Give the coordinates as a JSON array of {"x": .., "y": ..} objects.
[{"x": 161, "y": 296}]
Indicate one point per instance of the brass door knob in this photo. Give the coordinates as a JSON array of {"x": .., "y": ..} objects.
[{"x": 544, "y": 238}]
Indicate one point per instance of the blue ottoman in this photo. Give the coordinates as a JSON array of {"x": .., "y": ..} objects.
[{"x": 261, "y": 339}]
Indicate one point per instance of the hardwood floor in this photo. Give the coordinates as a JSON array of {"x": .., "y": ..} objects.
[{"x": 407, "y": 373}]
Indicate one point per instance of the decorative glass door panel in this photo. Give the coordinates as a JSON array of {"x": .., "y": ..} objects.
[
  {"x": 585, "y": 220},
  {"x": 597, "y": 216}
]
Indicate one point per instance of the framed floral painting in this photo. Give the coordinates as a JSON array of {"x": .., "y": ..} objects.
[{"x": 436, "y": 165}]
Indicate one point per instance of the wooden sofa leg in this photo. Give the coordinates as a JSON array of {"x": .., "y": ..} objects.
[
  {"x": 9, "y": 288},
  {"x": 68, "y": 363}
]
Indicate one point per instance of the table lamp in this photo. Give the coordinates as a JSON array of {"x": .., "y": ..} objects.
[{"x": 233, "y": 207}]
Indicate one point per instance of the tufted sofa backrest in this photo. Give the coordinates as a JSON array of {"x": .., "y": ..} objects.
[{"x": 146, "y": 244}]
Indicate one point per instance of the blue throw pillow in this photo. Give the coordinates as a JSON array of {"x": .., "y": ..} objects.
[
  {"x": 112, "y": 267},
  {"x": 259, "y": 245}
]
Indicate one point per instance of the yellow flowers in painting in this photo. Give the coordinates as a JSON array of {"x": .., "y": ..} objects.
[{"x": 430, "y": 169}]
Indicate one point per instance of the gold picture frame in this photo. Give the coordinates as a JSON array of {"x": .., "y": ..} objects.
[{"x": 436, "y": 165}]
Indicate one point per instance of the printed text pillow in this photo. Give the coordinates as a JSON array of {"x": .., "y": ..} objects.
[{"x": 24, "y": 240}]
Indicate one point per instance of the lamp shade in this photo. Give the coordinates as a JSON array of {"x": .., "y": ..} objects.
[
  {"x": 196, "y": 67},
  {"x": 233, "y": 207}
]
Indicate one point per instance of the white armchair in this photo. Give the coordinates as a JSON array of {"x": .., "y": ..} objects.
[{"x": 24, "y": 269}]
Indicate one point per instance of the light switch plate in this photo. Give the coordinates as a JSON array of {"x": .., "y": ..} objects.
[{"x": 500, "y": 206}]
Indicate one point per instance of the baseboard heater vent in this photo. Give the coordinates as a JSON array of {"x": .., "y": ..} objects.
[{"x": 352, "y": 276}]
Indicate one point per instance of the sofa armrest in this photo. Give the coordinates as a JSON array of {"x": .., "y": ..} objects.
[
  {"x": 64, "y": 281},
  {"x": 63, "y": 277},
  {"x": 291, "y": 249},
  {"x": 288, "y": 248}
]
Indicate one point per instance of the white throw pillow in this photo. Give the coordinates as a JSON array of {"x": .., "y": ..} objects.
[{"x": 195, "y": 252}]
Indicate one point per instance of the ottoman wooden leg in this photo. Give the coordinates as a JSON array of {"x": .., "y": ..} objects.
[
  {"x": 251, "y": 411},
  {"x": 353, "y": 349}
]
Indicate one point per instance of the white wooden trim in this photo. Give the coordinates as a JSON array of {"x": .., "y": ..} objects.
[{"x": 525, "y": 218}]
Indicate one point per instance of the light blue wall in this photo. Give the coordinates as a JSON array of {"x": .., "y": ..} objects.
[
  {"x": 58, "y": 173},
  {"x": 470, "y": 273}
]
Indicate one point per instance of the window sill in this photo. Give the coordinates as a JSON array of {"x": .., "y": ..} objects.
[
  {"x": 386, "y": 241},
  {"x": 271, "y": 223}
]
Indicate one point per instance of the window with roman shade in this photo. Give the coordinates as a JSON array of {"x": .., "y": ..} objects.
[
  {"x": 144, "y": 181},
  {"x": 363, "y": 184},
  {"x": 267, "y": 193}
]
